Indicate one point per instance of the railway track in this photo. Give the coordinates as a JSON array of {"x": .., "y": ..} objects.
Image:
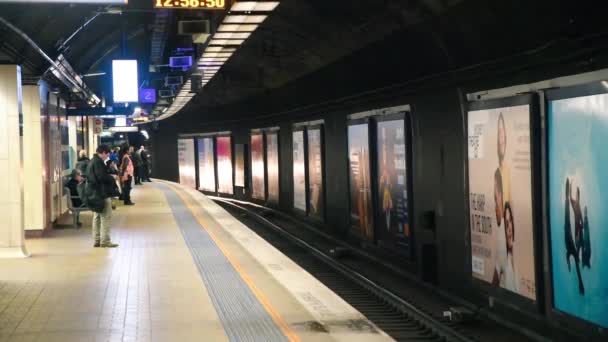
[{"x": 389, "y": 312}]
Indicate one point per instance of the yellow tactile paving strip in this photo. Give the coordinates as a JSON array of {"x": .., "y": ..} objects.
[{"x": 148, "y": 289}]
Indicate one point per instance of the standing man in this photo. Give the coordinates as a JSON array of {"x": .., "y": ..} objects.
[
  {"x": 102, "y": 182},
  {"x": 138, "y": 164},
  {"x": 145, "y": 157}
]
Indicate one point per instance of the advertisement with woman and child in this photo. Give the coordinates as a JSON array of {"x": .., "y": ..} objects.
[
  {"x": 500, "y": 198},
  {"x": 578, "y": 193}
]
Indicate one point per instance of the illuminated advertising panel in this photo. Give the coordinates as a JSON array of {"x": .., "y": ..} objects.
[
  {"x": 206, "y": 164},
  {"x": 272, "y": 159},
  {"x": 124, "y": 80},
  {"x": 299, "y": 171},
  {"x": 258, "y": 188},
  {"x": 239, "y": 165},
  {"x": 578, "y": 193},
  {"x": 361, "y": 212},
  {"x": 393, "y": 224},
  {"x": 224, "y": 165},
  {"x": 500, "y": 198},
  {"x": 185, "y": 157},
  {"x": 315, "y": 173}
]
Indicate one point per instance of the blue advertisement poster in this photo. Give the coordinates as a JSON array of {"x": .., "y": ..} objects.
[{"x": 578, "y": 193}]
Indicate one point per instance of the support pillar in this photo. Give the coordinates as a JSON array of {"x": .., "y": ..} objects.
[
  {"x": 12, "y": 235},
  {"x": 33, "y": 162}
]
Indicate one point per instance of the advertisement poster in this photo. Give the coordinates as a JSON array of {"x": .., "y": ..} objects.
[
  {"x": 239, "y": 164},
  {"x": 299, "y": 171},
  {"x": 361, "y": 214},
  {"x": 272, "y": 158},
  {"x": 315, "y": 173},
  {"x": 185, "y": 157},
  {"x": 393, "y": 224},
  {"x": 223, "y": 146},
  {"x": 258, "y": 189},
  {"x": 206, "y": 164},
  {"x": 500, "y": 195},
  {"x": 578, "y": 193}
]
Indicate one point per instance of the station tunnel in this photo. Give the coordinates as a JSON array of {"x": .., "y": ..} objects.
[{"x": 227, "y": 170}]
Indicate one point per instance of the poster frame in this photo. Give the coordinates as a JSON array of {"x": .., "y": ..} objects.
[
  {"x": 197, "y": 138},
  {"x": 298, "y": 211},
  {"x": 269, "y": 202},
  {"x": 217, "y": 186},
  {"x": 562, "y": 318},
  {"x": 354, "y": 230},
  {"x": 406, "y": 117},
  {"x": 322, "y": 218},
  {"x": 250, "y": 171},
  {"x": 500, "y": 296}
]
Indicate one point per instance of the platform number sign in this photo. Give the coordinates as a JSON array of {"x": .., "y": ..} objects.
[{"x": 190, "y": 4}]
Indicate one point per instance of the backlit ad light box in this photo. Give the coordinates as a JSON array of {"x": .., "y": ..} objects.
[{"x": 124, "y": 80}]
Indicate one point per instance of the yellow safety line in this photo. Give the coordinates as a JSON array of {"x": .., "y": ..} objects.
[{"x": 283, "y": 325}]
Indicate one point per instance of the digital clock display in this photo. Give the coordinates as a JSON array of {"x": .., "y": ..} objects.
[{"x": 190, "y": 4}]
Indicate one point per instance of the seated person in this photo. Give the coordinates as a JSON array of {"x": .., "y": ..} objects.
[{"x": 72, "y": 184}]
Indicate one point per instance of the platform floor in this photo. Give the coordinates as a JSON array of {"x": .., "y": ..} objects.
[{"x": 185, "y": 271}]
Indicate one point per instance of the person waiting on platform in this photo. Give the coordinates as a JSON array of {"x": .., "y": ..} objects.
[
  {"x": 145, "y": 158},
  {"x": 138, "y": 164},
  {"x": 72, "y": 184},
  {"x": 126, "y": 171},
  {"x": 98, "y": 194},
  {"x": 83, "y": 162}
]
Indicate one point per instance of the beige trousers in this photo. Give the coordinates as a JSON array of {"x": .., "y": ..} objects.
[{"x": 101, "y": 223}]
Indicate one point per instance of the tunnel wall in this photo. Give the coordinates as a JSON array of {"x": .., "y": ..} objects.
[{"x": 438, "y": 112}]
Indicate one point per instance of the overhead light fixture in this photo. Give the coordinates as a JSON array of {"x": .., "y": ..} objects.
[
  {"x": 216, "y": 54},
  {"x": 245, "y": 19},
  {"x": 220, "y": 49},
  {"x": 254, "y": 6},
  {"x": 226, "y": 41},
  {"x": 232, "y": 35},
  {"x": 215, "y": 59},
  {"x": 237, "y": 28}
]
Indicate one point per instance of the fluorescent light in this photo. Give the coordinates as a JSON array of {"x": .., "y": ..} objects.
[
  {"x": 237, "y": 28},
  {"x": 218, "y": 59},
  {"x": 226, "y": 41},
  {"x": 219, "y": 49},
  {"x": 232, "y": 35},
  {"x": 216, "y": 54},
  {"x": 254, "y": 6},
  {"x": 245, "y": 19}
]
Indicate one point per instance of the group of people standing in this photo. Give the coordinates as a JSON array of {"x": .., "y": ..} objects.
[{"x": 109, "y": 174}]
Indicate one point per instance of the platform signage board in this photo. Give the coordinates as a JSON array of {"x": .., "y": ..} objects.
[{"x": 500, "y": 198}]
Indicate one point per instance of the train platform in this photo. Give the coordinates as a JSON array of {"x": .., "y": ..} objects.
[{"x": 186, "y": 270}]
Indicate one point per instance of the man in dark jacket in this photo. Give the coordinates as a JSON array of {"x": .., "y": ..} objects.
[
  {"x": 102, "y": 182},
  {"x": 138, "y": 164},
  {"x": 145, "y": 158}
]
